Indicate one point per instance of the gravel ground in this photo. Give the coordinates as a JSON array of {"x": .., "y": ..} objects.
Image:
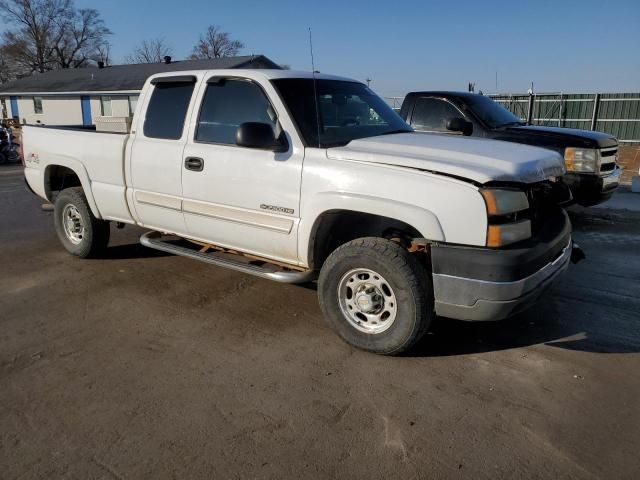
[{"x": 142, "y": 365}]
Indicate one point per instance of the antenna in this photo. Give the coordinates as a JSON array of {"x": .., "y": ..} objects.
[{"x": 315, "y": 90}]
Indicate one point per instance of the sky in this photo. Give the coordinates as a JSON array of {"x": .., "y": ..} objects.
[{"x": 562, "y": 46}]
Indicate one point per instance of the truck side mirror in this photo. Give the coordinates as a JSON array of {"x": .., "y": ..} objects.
[
  {"x": 459, "y": 124},
  {"x": 259, "y": 135}
]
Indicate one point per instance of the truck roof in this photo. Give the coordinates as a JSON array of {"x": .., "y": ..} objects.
[
  {"x": 266, "y": 74},
  {"x": 443, "y": 93}
]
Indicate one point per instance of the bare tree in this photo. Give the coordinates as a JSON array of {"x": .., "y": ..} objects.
[
  {"x": 47, "y": 34},
  {"x": 149, "y": 51},
  {"x": 103, "y": 54},
  {"x": 215, "y": 44},
  {"x": 7, "y": 69},
  {"x": 31, "y": 41},
  {"x": 82, "y": 36}
]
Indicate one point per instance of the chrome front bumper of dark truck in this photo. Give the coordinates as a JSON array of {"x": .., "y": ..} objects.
[
  {"x": 590, "y": 189},
  {"x": 493, "y": 284}
]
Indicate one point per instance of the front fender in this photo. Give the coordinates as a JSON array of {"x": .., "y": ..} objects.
[{"x": 423, "y": 220}]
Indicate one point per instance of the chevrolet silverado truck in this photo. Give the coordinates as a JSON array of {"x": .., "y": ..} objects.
[
  {"x": 295, "y": 177},
  {"x": 590, "y": 157}
]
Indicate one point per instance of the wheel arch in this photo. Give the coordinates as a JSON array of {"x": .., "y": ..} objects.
[
  {"x": 355, "y": 216},
  {"x": 66, "y": 173}
]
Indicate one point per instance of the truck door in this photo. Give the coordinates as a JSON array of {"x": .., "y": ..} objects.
[
  {"x": 156, "y": 154},
  {"x": 238, "y": 197}
]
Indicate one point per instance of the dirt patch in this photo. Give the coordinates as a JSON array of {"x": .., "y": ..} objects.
[
  {"x": 629, "y": 159},
  {"x": 143, "y": 365}
]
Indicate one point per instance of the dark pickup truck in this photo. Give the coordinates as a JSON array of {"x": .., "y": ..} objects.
[{"x": 590, "y": 157}]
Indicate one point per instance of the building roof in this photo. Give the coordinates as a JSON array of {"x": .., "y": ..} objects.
[{"x": 122, "y": 78}]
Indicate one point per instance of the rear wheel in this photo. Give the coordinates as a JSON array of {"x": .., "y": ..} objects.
[
  {"x": 376, "y": 295},
  {"x": 81, "y": 233}
]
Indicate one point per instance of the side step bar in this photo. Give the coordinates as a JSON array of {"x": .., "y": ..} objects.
[{"x": 269, "y": 271}]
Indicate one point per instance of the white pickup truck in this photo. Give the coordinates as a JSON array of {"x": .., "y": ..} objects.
[{"x": 283, "y": 174}]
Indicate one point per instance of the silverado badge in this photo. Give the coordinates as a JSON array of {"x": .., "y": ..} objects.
[{"x": 274, "y": 208}]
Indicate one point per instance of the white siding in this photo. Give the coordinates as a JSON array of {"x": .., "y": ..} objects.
[
  {"x": 55, "y": 111},
  {"x": 119, "y": 106},
  {"x": 63, "y": 110}
]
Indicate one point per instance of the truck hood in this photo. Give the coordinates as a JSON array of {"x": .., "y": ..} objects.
[
  {"x": 563, "y": 137},
  {"x": 475, "y": 159}
]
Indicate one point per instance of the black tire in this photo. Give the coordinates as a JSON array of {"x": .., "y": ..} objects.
[
  {"x": 408, "y": 279},
  {"x": 95, "y": 237}
]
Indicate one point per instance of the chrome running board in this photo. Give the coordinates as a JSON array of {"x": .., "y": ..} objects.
[{"x": 267, "y": 270}]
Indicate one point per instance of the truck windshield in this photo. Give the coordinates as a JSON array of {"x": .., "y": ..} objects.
[
  {"x": 492, "y": 113},
  {"x": 347, "y": 111}
]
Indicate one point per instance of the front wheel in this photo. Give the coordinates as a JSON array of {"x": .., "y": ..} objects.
[
  {"x": 81, "y": 233},
  {"x": 376, "y": 295}
]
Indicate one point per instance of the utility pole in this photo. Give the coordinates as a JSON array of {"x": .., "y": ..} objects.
[{"x": 531, "y": 106}]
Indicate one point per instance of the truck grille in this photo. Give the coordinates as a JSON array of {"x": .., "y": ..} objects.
[
  {"x": 608, "y": 160},
  {"x": 544, "y": 198}
]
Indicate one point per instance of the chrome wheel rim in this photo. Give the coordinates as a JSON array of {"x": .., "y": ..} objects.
[
  {"x": 367, "y": 301},
  {"x": 72, "y": 224}
]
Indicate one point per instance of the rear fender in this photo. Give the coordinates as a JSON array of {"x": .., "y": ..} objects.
[{"x": 78, "y": 168}]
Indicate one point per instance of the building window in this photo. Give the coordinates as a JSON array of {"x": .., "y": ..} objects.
[
  {"x": 105, "y": 106},
  {"x": 37, "y": 105},
  {"x": 133, "y": 101}
]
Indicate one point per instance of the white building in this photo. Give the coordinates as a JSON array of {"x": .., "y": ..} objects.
[{"x": 80, "y": 96}]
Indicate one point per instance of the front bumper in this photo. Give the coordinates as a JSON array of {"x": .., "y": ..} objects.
[
  {"x": 590, "y": 189},
  {"x": 492, "y": 284}
]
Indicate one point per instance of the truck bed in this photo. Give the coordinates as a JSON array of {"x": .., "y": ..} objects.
[{"x": 93, "y": 155}]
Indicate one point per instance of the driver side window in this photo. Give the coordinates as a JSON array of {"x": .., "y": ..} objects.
[
  {"x": 227, "y": 104},
  {"x": 431, "y": 114}
]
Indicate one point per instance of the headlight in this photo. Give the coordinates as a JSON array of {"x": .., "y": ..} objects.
[
  {"x": 503, "y": 202},
  {"x": 501, "y": 235},
  {"x": 505, "y": 212},
  {"x": 581, "y": 159}
]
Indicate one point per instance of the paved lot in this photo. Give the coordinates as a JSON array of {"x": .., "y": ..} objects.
[{"x": 150, "y": 366}]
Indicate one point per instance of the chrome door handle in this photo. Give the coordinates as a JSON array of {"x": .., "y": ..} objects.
[{"x": 194, "y": 164}]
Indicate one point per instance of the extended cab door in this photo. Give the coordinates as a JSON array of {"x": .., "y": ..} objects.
[
  {"x": 242, "y": 198},
  {"x": 155, "y": 159}
]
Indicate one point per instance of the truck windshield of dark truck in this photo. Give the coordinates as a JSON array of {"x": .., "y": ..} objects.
[
  {"x": 491, "y": 113},
  {"x": 347, "y": 111}
]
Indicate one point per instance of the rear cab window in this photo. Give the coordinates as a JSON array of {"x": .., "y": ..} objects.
[{"x": 168, "y": 106}]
